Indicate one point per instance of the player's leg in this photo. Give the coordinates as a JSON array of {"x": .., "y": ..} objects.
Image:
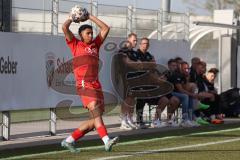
[
  {"x": 161, "y": 104},
  {"x": 127, "y": 106},
  {"x": 139, "y": 110},
  {"x": 130, "y": 117},
  {"x": 96, "y": 110},
  {"x": 84, "y": 128},
  {"x": 173, "y": 105},
  {"x": 131, "y": 112}
]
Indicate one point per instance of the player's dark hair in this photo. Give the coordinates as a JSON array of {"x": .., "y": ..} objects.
[
  {"x": 184, "y": 62},
  {"x": 178, "y": 59},
  {"x": 83, "y": 27},
  {"x": 171, "y": 61},
  {"x": 213, "y": 70},
  {"x": 195, "y": 60}
]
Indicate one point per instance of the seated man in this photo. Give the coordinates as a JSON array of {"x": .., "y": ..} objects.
[
  {"x": 161, "y": 101},
  {"x": 210, "y": 78},
  {"x": 130, "y": 68},
  {"x": 194, "y": 62},
  {"x": 207, "y": 95},
  {"x": 137, "y": 72},
  {"x": 184, "y": 90},
  {"x": 209, "y": 81}
]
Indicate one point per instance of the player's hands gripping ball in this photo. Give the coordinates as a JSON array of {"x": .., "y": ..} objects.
[{"x": 79, "y": 14}]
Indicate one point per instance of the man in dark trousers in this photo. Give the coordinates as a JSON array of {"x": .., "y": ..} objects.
[
  {"x": 127, "y": 56},
  {"x": 161, "y": 101}
]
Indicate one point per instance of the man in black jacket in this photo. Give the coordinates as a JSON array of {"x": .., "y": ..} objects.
[
  {"x": 161, "y": 101},
  {"x": 207, "y": 95}
]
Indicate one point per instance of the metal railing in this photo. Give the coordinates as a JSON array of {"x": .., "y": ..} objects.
[{"x": 47, "y": 16}]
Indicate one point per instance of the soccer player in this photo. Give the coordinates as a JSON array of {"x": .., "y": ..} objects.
[{"x": 85, "y": 65}]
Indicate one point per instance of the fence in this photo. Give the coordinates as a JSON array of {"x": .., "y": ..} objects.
[{"x": 47, "y": 16}]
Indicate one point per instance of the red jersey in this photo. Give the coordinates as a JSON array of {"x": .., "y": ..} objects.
[{"x": 85, "y": 60}]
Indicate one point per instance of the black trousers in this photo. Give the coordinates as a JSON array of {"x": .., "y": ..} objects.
[{"x": 215, "y": 107}]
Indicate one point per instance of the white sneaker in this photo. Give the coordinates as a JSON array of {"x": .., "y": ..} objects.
[
  {"x": 110, "y": 143},
  {"x": 125, "y": 126},
  {"x": 172, "y": 123},
  {"x": 158, "y": 124},
  {"x": 186, "y": 123},
  {"x": 131, "y": 124},
  {"x": 194, "y": 124}
]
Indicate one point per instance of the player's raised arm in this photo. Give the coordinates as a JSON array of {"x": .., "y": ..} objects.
[
  {"x": 104, "y": 28},
  {"x": 65, "y": 28},
  {"x": 77, "y": 15}
]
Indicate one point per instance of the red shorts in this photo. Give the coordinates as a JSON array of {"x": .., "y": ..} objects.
[{"x": 89, "y": 92}]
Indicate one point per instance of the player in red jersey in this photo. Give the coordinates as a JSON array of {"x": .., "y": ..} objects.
[{"x": 85, "y": 66}]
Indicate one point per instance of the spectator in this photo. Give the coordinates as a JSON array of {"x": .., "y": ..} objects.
[
  {"x": 169, "y": 101},
  {"x": 184, "y": 91},
  {"x": 207, "y": 95},
  {"x": 210, "y": 78},
  {"x": 127, "y": 107},
  {"x": 172, "y": 65},
  {"x": 193, "y": 74},
  {"x": 144, "y": 56},
  {"x": 161, "y": 102},
  {"x": 179, "y": 60}
]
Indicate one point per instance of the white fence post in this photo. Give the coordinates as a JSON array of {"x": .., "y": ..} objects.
[
  {"x": 6, "y": 125},
  {"x": 52, "y": 121},
  {"x": 55, "y": 9},
  {"x": 187, "y": 32},
  {"x": 159, "y": 24},
  {"x": 129, "y": 19}
]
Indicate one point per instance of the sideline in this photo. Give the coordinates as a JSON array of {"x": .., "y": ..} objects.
[
  {"x": 169, "y": 149},
  {"x": 127, "y": 143}
]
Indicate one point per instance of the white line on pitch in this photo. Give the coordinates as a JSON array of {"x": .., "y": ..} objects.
[{"x": 169, "y": 149}]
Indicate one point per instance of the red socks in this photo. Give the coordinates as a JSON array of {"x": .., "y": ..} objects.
[
  {"x": 102, "y": 131},
  {"x": 77, "y": 134}
]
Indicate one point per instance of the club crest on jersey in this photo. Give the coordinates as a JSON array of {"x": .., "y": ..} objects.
[{"x": 92, "y": 51}]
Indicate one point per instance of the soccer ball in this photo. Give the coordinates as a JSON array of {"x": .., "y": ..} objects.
[{"x": 79, "y": 14}]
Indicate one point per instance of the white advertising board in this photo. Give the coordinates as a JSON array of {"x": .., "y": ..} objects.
[{"x": 26, "y": 61}]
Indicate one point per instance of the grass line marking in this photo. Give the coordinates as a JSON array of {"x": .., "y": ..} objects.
[{"x": 168, "y": 149}]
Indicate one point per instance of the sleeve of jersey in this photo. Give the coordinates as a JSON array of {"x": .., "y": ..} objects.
[
  {"x": 98, "y": 41},
  {"x": 72, "y": 45}
]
